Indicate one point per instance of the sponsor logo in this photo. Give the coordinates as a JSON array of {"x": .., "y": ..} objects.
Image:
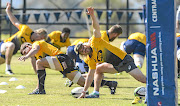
[
  {"x": 159, "y": 103},
  {"x": 154, "y": 64},
  {"x": 154, "y": 11},
  {"x": 129, "y": 67}
]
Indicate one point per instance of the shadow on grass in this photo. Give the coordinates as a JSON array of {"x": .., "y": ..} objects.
[
  {"x": 116, "y": 78},
  {"x": 118, "y": 98},
  {"x": 34, "y": 74},
  {"x": 120, "y": 87},
  {"x": 5, "y": 76},
  {"x": 24, "y": 74}
]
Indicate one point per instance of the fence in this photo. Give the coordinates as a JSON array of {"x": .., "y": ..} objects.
[{"x": 48, "y": 13}]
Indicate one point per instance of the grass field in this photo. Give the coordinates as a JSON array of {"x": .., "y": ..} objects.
[{"x": 56, "y": 92}]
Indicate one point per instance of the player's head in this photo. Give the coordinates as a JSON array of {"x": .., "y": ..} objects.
[
  {"x": 65, "y": 34},
  {"x": 83, "y": 49},
  {"x": 114, "y": 32},
  {"x": 40, "y": 34},
  {"x": 25, "y": 48}
]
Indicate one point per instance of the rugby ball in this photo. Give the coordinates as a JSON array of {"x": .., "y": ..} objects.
[
  {"x": 76, "y": 92},
  {"x": 140, "y": 91}
]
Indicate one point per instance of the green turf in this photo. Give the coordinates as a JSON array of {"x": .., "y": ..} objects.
[{"x": 57, "y": 93}]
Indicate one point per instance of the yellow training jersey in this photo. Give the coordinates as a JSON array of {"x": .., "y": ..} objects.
[
  {"x": 177, "y": 34},
  {"x": 46, "y": 49},
  {"x": 104, "y": 35},
  {"x": 79, "y": 40},
  {"x": 139, "y": 37},
  {"x": 56, "y": 40},
  {"x": 23, "y": 35},
  {"x": 104, "y": 52}
]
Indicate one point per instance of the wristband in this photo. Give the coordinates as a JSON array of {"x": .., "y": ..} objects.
[{"x": 84, "y": 91}]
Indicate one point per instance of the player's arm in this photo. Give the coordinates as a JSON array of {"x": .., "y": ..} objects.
[
  {"x": 88, "y": 82},
  {"x": 95, "y": 23},
  {"x": 12, "y": 18},
  {"x": 31, "y": 53}
]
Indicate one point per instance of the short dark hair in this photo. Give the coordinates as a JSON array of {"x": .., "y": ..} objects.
[
  {"x": 116, "y": 29},
  {"x": 66, "y": 30}
]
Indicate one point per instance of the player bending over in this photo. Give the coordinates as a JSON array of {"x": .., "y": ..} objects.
[
  {"x": 48, "y": 56},
  {"x": 135, "y": 44},
  {"x": 10, "y": 46},
  {"x": 109, "y": 58}
]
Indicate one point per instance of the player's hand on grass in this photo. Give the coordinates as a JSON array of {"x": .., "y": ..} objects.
[
  {"x": 82, "y": 95},
  {"x": 22, "y": 58}
]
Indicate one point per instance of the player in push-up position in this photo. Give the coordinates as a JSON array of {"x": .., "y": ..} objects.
[
  {"x": 110, "y": 59},
  {"x": 48, "y": 56}
]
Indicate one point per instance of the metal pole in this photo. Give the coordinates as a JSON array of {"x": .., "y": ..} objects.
[
  {"x": 24, "y": 13},
  {"x": 127, "y": 19},
  {"x": 107, "y": 20}
]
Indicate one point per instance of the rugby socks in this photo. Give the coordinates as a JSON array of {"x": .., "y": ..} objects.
[
  {"x": 41, "y": 78},
  {"x": 8, "y": 67},
  {"x": 95, "y": 92},
  {"x": 103, "y": 82}
]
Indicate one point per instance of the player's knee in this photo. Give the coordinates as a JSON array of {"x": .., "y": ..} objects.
[
  {"x": 99, "y": 69},
  {"x": 10, "y": 45},
  {"x": 38, "y": 62}
]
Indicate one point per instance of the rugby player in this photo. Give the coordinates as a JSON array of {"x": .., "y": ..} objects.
[
  {"x": 48, "y": 56},
  {"x": 102, "y": 57},
  {"x": 135, "y": 44},
  {"x": 11, "y": 45}
]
